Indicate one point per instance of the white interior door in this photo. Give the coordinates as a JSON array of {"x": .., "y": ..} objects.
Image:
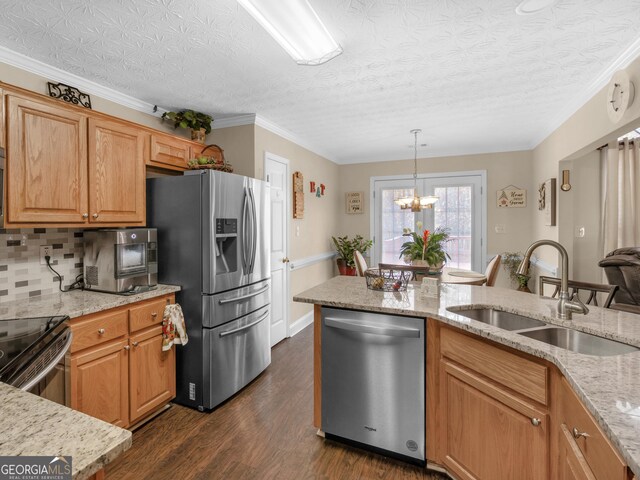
[
  {"x": 459, "y": 209},
  {"x": 276, "y": 171}
]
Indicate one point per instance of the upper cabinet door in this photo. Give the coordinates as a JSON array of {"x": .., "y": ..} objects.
[
  {"x": 116, "y": 173},
  {"x": 46, "y": 165},
  {"x": 169, "y": 152}
]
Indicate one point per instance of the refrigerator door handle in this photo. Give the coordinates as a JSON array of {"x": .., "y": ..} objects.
[
  {"x": 254, "y": 231},
  {"x": 246, "y": 327},
  {"x": 344, "y": 324},
  {"x": 245, "y": 236},
  {"x": 224, "y": 301}
]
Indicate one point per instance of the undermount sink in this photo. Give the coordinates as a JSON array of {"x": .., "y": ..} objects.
[
  {"x": 579, "y": 342},
  {"x": 500, "y": 319}
]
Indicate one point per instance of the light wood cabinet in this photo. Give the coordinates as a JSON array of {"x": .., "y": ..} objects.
[
  {"x": 46, "y": 163},
  {"x": 170, "y": 152},
  {"x": 152, "y": 373},
  {"x": 582, "y": 444},
  {"x": 572, "y": 464},
  {"x": 502, "y": 414},
  {"x": 117, "y": 376},
  {"x": 486, "y": 424},
  {"x": 100, "y": 382},
  {"x": 116, "y": 173}
]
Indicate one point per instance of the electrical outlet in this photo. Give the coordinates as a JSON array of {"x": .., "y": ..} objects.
[{"x": 45, "y": 251}]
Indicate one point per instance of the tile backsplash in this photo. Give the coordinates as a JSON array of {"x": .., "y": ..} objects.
[{"x": 22, "y": 276}]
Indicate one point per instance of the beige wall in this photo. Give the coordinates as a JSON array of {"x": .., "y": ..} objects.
[
  {"x": 583, "y": 132},
  {"x": 238, "y": 144},
  {"x": 310, "y": 235},
  {"x": 502, "y": 170}
]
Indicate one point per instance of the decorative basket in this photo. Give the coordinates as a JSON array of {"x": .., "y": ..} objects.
[
  {"x": 387, "y": 280},
  {"x": 216, "y": 160}
]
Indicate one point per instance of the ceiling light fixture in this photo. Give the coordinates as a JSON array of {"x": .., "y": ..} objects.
[
  {"x": 529, "y": 7},
  {"x": 415, "y": 202},
  {"x": 295, "y": 25}
]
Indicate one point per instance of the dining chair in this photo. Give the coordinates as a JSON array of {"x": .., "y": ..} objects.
[
  {"x": 361, "y": 263},
  {"x": 575, "y": 287},
  {"x": 492, "y": 270}
]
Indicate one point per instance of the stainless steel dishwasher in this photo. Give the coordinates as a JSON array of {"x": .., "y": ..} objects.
[{"x": 373, "y": 381}]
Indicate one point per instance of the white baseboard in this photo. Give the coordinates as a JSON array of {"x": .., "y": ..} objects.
[{"x": 300, "y": 324}]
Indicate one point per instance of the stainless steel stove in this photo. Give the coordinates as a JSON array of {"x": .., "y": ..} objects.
[{"x": 32, "y": 355}]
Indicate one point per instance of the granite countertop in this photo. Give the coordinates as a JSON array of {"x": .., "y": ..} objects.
[
  {"x": 608, "y": 386},
  {"x": 34, "y": 426},
  {"x": 75, "y": 303}
]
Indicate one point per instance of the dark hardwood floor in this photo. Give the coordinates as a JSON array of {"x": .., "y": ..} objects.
[{"x": 265, "y": 432}]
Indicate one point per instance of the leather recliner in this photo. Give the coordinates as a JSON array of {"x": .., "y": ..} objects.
[{"x": 622, "y": 268}]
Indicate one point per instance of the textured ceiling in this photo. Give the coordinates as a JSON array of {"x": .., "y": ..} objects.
[{"x": 471, "y": 73}]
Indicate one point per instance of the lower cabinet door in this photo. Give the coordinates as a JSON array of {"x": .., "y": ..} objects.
[
  {"x": 573, "y": 465},
  {"x": 491, "y": 434},
  {"x": 153, "y": 372},
  {"x": 100, "y": 382}
]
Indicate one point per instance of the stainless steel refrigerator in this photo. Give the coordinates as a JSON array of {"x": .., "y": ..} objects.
[{"x": 213, "y": 241}]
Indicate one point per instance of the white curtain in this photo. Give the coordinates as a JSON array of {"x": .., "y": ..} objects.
[{"x": 620, "y": 174}]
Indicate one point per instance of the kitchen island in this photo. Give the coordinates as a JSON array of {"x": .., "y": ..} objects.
[{"x": 608, "y": 386}]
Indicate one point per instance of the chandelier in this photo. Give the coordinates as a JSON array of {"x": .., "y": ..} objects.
[{"x": 415, "y": 202}]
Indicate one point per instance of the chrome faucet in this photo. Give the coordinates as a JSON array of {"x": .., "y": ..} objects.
[{"x": 566, "y": 306}]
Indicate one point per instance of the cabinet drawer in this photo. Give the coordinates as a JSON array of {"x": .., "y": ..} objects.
[
  {"x": 97, "y": 329},
  {"x": 519, "y": 374},
  {"x": 602, "y": 458},
  {"x": 147, "y": 314}
]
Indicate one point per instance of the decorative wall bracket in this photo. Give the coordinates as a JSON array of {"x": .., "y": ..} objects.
[{"x": 69, "y": 94}]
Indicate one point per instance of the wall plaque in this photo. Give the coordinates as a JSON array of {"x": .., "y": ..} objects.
[
  {"x": 511, "y": 197},
  {"x": 355, "y": 202}
]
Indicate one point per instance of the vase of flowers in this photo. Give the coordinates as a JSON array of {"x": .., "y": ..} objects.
[
  {"x": 425, "y": 248},
  {"x": 510, "y": 262}
]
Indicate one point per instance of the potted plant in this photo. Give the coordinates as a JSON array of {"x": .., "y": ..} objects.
[
  {"x": 346, "y": 248},
  {"x": 199, "y": 123},
  {"x": 426, "y": 248},
  {"x": 510, "y": 262}
]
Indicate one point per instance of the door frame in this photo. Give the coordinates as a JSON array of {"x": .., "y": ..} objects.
[
  {"x": 422, "y": 176},
  {"x": 287, "y": 270}
]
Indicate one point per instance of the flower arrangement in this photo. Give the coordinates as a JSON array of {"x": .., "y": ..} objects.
[{"x": 427, "y": 246}]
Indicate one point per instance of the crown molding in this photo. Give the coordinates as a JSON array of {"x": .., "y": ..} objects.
[
  {"x": 440, "y": 153},
  {"x": 260, "y": 121},
  {"x": 234, "y": 121},
  {"x": 624, "y": 59},
  {"x": 50, "y": 72}
]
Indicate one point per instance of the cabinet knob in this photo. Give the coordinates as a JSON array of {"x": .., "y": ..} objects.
[
  {"x": 535, "y": 422},
  {"x": 154, "y": 314},
  {"x": 101, "y": 331},
  {"x": 127, "y": 347},
  {"x": 577, "y": 433},
  {"x": 135, "y": 344},
  {"x": 85, "y": 215},
  {"x": 95, "y": 215}
]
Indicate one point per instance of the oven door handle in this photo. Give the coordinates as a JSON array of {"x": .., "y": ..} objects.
[
  {"x": 54, "y": 361},
  {"x": 246, "y": 327},
  {"x": 243, "y": 297}
]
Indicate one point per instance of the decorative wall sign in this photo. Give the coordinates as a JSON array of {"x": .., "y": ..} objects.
[
  {"x": 355, "y": 202},
  {"x": 298, "y": 195},
  {"x": 69, "y": 94},
  {"x": 511, "y": 197},
  {"x": 547, "y": 201}
]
